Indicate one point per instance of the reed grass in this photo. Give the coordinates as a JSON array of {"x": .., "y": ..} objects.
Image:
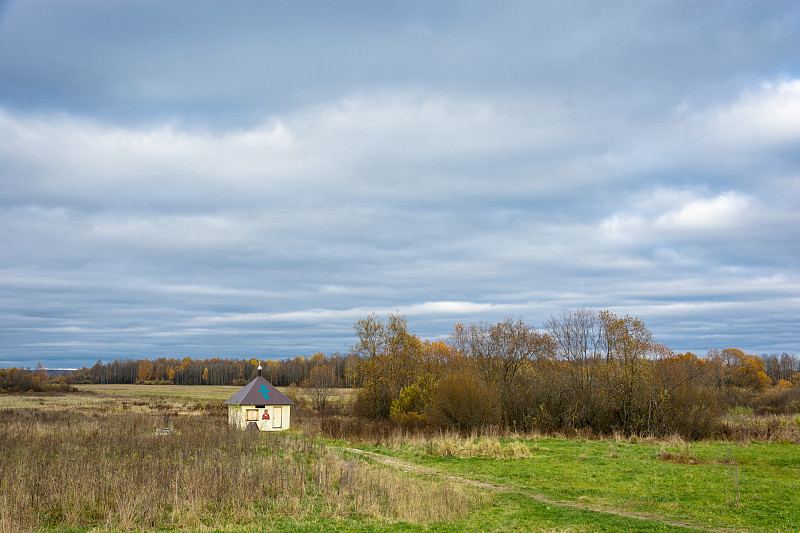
[{"x": 748, "y": 427}]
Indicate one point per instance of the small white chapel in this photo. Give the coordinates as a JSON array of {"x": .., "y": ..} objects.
[{"x": 259, "y": 405}]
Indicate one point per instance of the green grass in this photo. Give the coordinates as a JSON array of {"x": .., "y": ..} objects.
[
  {"x": 696, "y": 483},
  {"x": 506, "y": 513}
]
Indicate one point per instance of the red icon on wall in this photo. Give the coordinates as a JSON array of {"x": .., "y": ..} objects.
[{"x": 265, "y": 416}]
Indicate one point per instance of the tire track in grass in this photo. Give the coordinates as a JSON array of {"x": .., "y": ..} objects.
[{"x": 497, "y": 487}]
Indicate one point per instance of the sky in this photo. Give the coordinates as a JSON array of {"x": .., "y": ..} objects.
[{"x": 249, "y": 178}]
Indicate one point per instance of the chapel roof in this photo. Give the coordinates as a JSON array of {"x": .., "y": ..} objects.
[{"x": 259, "y": 392}]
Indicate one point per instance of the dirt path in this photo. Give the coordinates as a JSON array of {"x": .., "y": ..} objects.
[{"x": 418, "y": 469}]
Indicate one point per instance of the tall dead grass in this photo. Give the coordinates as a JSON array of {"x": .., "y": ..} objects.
[
  {"x": 385, "y": 432},
  {"x": 491, "y": 441},
  {"x": 488, "y": 447},
  {"x": 762, "y": 428},
  {"x": 76, "y": 469}
]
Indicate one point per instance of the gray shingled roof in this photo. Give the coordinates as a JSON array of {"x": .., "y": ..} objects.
[{"x": 259, "y": 392}]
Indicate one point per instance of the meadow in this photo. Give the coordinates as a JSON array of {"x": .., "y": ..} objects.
[{"x": 92, "y": 461}]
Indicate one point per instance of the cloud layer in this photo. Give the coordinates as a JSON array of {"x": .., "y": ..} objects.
[{"x": 449, "y": 162}]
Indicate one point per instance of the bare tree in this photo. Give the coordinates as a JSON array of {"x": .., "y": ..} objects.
[
  {"x": 578, "y": 339},
  {"x": 319, "y": 384}
]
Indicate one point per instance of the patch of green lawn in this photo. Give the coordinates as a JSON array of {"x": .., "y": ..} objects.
[
  {"x": 517, "y": 512},
  {"x": 623, "y": 475},
  {"x": 506, "y": 513}
]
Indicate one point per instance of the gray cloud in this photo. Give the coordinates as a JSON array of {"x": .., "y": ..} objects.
[{"x": 209, "y": 181}]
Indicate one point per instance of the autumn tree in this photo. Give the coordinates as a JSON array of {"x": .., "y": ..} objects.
[
  {"x": 772, "y": 367},
  {"x": 270, "y": 370},
  {"x": 435, "y": 359},
  {"x": 734, "y": 369},
  {"x": 391, "y": 358},
  {"x": 688, "y": 403},
  {"x": 145, "y": 370},
  {"x": 352, "y": 378},
  {"x": 630, "y": 350},
  {"x": 371, "y": 336},
  {"x": 605, "y": 369},
  {"x": 745, "y": 370},
  {"x": 20, "y": 380},
  {"x": 497, "y": 352},
  {"x": 790, "y": 367},
  {"x": 41, "y": 371},
  {"x": 412, "y": 403},
  {"x": 160, "y": 373}
]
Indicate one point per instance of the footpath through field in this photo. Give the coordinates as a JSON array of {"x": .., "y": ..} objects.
[{"x": 418, "y": 469}]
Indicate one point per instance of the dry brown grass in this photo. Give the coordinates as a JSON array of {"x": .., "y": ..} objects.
[
  {"x": 684, "y": 454},
  {"x": 120, "y": 398},
  {"x": 107, "y": 468},
  {"x": 356, "y": 429},
  {"x": 199, "y": 392},
  {"x": 762, "y": 428},
  {"x": 489, "y": 447},
  {"x": 188, "y": 392}
]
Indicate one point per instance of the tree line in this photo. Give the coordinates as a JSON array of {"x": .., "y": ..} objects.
[
  {"x": 189, "y": 371},
  {"x": 585, "y": 369},
  {"x": 218, "y": 371}
]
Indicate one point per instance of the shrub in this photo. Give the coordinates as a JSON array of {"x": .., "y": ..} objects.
[
  {"x": 463, "y": 402},
  {"x": 780, "y": 399},
  {"x": 374, "y": 401},
  {"x": 692, "y": 413},
  {"x": 409, "y": 408}
]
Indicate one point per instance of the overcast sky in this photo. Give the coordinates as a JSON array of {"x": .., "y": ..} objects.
[{"x": 249, "y": 178}]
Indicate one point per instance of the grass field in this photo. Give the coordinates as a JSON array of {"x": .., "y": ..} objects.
[
  {"x": 90, "y": 461},
  {"x": 752, "y": 487},
  {"x": 146, "y": 398}
]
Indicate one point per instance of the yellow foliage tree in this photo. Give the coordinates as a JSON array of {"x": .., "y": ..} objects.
[
  {"x": 744, "y": 370},
  {"x": 145, "y": 370},
  {"x": 392, "y": 358}
]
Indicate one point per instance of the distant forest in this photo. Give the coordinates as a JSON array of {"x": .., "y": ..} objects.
[
  {"x": 216, "y": 371},
  {"x": 186, "y": 371}
]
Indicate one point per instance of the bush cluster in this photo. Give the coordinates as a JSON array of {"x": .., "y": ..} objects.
[
  {"x": 587, "y": 370},
  {"x": 16, "y": 380}
]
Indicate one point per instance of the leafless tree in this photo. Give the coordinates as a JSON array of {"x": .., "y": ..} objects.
[{"x": 319, "y": 384}]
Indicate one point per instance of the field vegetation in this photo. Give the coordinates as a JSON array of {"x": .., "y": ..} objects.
[
  {"x": 93, "y": 468},
  {"x": 97, "y": 463},
  {"x": 715, "y": 485},
  {"x": 587, "y": 425}
]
